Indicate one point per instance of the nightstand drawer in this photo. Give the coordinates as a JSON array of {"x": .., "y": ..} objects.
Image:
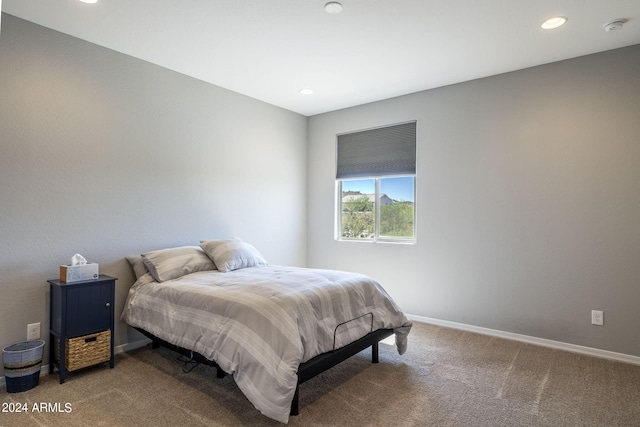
[{"x": 87, "y": 350}]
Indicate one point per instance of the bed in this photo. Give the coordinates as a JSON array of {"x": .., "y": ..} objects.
[{"x": 271, "y": 327}]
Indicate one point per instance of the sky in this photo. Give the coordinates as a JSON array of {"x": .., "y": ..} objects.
[{"x": 400, "y": 188}]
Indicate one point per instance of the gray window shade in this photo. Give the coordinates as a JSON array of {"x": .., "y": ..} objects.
[{"x": 384, "y": 151}]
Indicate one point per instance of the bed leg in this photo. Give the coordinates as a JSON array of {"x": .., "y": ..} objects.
[
  {"x": 220, "y": 373},
  {"x": 294, "y": 403},
  {"x": 374, "y": 353},
  {"x": 155, "y": 344}
]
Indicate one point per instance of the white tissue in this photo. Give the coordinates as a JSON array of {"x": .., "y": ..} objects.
[{"x": 78, "y": 259}]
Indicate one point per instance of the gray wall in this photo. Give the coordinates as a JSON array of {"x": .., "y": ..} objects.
[
  {"x": 528, "y": 185},
  {"x": 108, "y": 156},
  {"x": 528, "y": 198}
]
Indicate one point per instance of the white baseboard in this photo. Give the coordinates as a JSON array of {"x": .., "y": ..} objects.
[
  {"x": 621, "y": 357},
  {"x": 131, "y": 346}
]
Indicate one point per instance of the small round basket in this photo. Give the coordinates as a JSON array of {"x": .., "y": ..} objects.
[{"x": 22, "y": 363}]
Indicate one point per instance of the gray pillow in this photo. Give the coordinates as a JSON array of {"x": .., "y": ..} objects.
[
  {"x": 137, "y": 263},
  {"x": 233, "y": 254},
  {"x": 172, "y": 263}
]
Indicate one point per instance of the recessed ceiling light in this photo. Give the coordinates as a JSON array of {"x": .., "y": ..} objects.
[
  {"x": 333, "y": 7},
  {"x": 89, "y": 1},
  {"x": 306, "y": 91},
  {"x": 554, "y": 22}
]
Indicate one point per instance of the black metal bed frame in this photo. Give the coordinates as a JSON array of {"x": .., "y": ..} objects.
[{"x": 306, "y": 370}]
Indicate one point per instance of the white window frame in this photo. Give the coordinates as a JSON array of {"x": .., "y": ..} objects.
[{"x": 376, "y": 235}]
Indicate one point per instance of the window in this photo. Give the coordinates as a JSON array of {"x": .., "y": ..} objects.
[
  {"x": 376, "y": 184},
  {"x": 377, "y": 208}
]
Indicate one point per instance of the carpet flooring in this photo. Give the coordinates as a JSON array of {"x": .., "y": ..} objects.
[{"x": 447, "y": 377}]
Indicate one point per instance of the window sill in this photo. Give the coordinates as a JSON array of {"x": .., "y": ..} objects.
[{"x": 386, "y": 241}]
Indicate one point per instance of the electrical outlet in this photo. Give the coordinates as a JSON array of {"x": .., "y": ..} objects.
[
  {"x": 597, "y": 317},
  {"x": 33, "y": 331}
]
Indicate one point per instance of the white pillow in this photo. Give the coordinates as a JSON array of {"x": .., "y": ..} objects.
[
  {"x": 167, "y": 264},
  {"x": 233, "y": 254}
]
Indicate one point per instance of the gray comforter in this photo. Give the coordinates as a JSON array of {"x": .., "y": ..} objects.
[{"x": 260, "y": 323}]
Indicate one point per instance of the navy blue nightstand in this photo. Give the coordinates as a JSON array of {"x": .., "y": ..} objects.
[{"x": 80, "y": 309}]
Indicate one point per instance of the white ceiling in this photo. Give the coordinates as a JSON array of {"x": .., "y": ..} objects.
[{"x": 374, "y": 49}]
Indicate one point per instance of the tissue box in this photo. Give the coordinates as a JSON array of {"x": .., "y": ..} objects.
[{"x": 78, "y": 273}]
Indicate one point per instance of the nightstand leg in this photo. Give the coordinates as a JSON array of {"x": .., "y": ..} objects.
[
  {"x": 63, "y": 360},
  {"x": 52, "y": 341},
  {"x": 112, "y": 361}
]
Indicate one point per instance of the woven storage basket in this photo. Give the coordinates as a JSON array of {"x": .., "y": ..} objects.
[
  {"x": 22, "y": 363},
  {"x": 86, "y": 350}
]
